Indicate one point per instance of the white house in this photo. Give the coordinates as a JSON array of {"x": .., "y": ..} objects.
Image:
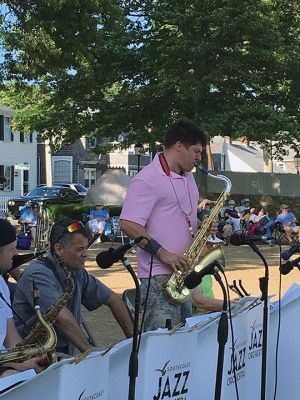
[
  {"x": 244, "y": 156},
  {"x": 16, "y": 149}
]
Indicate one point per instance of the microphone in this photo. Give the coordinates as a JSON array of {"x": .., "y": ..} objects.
[
  {"x": 238, "y": 240},
  {"x": 195, "y": 278},
  {"x": 288, "y": 266},
  {"x": 286, "y": 255},
  {"x": 106, "y": 259}
]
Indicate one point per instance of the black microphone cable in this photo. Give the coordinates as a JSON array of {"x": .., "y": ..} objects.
[
  {"x": 232, "y": 333},
  {"x": 146, "y": 298},
  {"x": 14, "y": 312}
]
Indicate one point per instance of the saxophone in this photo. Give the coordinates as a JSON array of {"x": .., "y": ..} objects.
[
  {"x": 23, "y": 351},
  {"x": 174, "y": 287},
  {"x": 38, "y": 331}
]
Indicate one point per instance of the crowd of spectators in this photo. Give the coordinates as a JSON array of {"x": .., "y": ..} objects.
[{"x": 252, "y": 220}]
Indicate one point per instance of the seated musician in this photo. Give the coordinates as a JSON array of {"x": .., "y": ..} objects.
[
  {"x": 68, "y": 252},
  {"x": 9, "y": 335}
]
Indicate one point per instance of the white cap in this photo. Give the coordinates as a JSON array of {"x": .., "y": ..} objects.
[{"x": 214, "y": 240}]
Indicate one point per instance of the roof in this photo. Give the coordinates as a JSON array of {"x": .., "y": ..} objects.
[
  {"x": 6, "y": 111},
  {"x": 250, "y": 155}
]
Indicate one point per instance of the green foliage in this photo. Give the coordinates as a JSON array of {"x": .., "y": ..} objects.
[
  {"x": 77, "y": 211},
  {"x": 87, "y": 67}
]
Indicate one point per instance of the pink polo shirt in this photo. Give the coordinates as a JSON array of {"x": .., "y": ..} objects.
[{"x": 151, "y": 202}]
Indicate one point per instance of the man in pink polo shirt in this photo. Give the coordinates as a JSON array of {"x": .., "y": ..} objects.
[{"x": 161, "y": 204}]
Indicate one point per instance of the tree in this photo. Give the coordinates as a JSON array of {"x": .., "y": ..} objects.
[{"x": 102, "y": 67}]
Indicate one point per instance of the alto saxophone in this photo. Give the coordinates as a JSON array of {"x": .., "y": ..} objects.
[
  {"x": 24, "y": 351},
  {"x": 174, "y": 288},
  {"x": 38, "y": 332}
]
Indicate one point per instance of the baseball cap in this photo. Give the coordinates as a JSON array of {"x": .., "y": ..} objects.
[
  {"x": 7, "y": 233},
  {"x": 246, "y": 200},
  {"x": 283, "y": 206},
  {"x": 231, "y": 202}
]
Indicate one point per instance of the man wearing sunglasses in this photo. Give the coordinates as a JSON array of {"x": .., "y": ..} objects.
[{"x": 68, "y": 252}]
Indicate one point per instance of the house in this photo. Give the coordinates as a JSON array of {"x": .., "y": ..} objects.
[
  {"x": 80, "y": 163},
  {"x": 244, "y": 156},
  {"x": 18, "y": 157}
]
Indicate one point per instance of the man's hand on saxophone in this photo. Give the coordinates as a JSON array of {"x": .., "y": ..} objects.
[{"x": 177, "y": 262}]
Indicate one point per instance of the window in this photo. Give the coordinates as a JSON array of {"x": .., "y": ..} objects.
[
  {"x": 25, "y": 138},
  {"x": 62, "y": 169},
  {"x": 8, "y": 172},
  {"x": 92, "y": 142},
  {"x": 25, "y": 180},
  {"x": 7, "y": 130},
  {"x": 1, "y": 127},
  {"x": 89, "y": 176}
]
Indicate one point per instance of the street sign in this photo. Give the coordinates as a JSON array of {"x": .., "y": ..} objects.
[{"x": 24, "y": 166}]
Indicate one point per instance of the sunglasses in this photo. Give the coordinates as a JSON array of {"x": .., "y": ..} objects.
[{"x": 74, "y": 227}]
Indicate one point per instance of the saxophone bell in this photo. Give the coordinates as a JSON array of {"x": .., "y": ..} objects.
[{"x": 22, "y": 351}]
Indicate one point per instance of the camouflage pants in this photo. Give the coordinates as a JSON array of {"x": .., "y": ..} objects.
[{"x": 158, "y": 308}]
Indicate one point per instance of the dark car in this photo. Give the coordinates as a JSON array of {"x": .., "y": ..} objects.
[
  {"x": 78, "y": 187},
  {"x": 75, "y": 186},
  {"x": 44, "y": 195}
]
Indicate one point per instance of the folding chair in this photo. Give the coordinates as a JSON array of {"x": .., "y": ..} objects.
[
  {"x": 115, "y": 223},
  {"x": 280, "y": 235}
]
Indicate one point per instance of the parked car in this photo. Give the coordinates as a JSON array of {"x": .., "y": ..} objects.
[
  {"x": 78, "y": 187},
  {"x": 45, "y": 195}
]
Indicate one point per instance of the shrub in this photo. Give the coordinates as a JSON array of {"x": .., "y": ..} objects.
[{"x": 77, "y": 211}]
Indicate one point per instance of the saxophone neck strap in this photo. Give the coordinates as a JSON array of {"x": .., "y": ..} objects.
[
  {"x": 164, "y": 164},
  {"x": 61, "y": 277}
]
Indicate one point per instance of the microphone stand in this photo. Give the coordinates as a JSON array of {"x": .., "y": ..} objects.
[
  {"x": 263, "y": 284},
  {"x": 222, "y": 339},
  {"x": 133, "y": 361}
]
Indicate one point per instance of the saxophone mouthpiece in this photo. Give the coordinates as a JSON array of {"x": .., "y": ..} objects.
[{"x": 202, "y": 169}]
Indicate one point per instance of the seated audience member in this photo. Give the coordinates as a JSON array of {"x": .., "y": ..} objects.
[
  {"x": 289, "y": 222},
  {"x": 260, "y": 223},
  {"x": 232, "y": 221},
  {"x": 9, "y": 336},
  {"x": 68, "y": 252},
  {"x": 29, "y": 219},
  {"x": 98, "y": 219},
  {"x": 204, "y": 209},
  {"x": 244, "y": 210},
  {"x": 203, "y": 296}
]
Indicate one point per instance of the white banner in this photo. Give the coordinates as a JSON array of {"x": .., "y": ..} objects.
[
  {"x": 288, "y": 382},
  {"x": 184, "y": 365},
  {"x": 66, "y": 380},
  {"x": 180, "y": 366}
]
